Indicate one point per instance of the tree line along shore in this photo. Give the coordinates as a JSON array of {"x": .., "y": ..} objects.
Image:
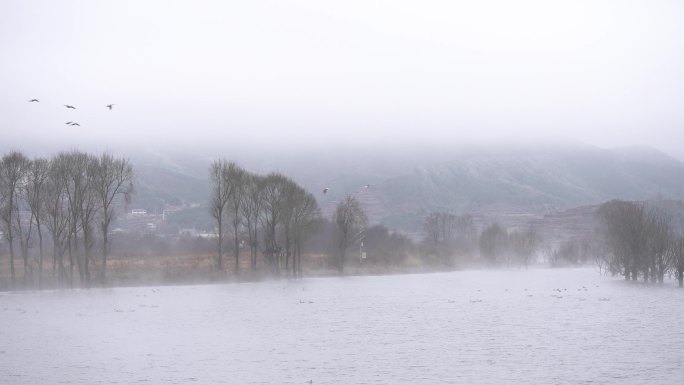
[{"x": 57, "y": 216}]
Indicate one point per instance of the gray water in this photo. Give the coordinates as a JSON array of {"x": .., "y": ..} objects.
[{"x": 474, "y": 327}]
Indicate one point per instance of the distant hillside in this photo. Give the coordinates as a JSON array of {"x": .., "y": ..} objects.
[
  {"x": 161, "y": 182},
  {"x": 406, "y": 184},
  {"x": 582, "y": 222},
  {"x": 535, "y": 181}
]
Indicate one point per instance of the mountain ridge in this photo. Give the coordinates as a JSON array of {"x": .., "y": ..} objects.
[
  {"x": 407, "y": 183},
  {"x": 406, "y": 186}
]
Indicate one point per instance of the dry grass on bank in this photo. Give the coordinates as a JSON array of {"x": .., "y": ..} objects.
[
  {"x": 135, "y": 270},
  {"x": 167, "y": 269}
]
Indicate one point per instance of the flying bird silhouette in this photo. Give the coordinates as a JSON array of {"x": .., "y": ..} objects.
[
  {"x": 75, "y": 124},
  {"x": 34, "y": 100},
  {"x": 325, "y": 190},
  {"x": 68, "y": 106},
  {"x": 70, "y": 123},
  {"x": 110, "y": 106}
]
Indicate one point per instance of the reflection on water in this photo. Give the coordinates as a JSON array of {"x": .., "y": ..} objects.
[{"x": 471, "y": 327}]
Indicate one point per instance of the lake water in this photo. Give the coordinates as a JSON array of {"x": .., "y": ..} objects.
[{"x": 534, "y": 326}]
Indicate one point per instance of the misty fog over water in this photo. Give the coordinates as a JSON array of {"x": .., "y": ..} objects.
[
  {"x": 537, "y": 326},
  {"x": 469, "y": 134}
]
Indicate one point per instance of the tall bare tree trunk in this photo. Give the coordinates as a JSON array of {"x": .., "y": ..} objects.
[
  {"x": 71, "y": 263},
  {"x": 40, "y": 257},
  {"x": 86, "y": 257},
  {"x": 219, "y": 260},
  {"x": 105, "y": 251},
  {"x": 237, "y": 249},
  {"x": 11, "y": 247}
]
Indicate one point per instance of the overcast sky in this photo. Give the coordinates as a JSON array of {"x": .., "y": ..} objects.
[{"x": 311, "y": 71}]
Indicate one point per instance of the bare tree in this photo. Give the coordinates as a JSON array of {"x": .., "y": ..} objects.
[
  {"x": 493, "y": 244},
  {"x": 251, "y": 207},
  {"x": 25, "y": 220},
  {"x": 523, "y": 244},
  {"x": 306, "y": 223},
  {"x": 89, "y": 207},
  {"x": 638, "y": 240},
  {"x": 466, "y": 232},
  {"x": 625, "y": 231},
  {"x": 271, "y": 217},
  {"x": 386, "y": 247},
  {"x": 600, "y": 254},
  {"x": 79, "y": 168},
  {"x": 38, "y": 173},
  {"x": 441, "y": 227},
  {"x": 302, "y": 214},
  {"x": 236, "y": 177},
  {"x": 57, "y": 215},
  {"x": 350, "y": 219},
  {"x": 221, "y": 191},
  {"x": 658, "y": 240},
  {"x": 432, "y": 227},
  {"x": 575, "y": 251},
  {"x": 290, "y": 194},
  {"x": 448, "y": 235},
  {"x": 12, "y": 171},
  {"x": 23, "y": 228},
  {"x": 112, "y": 178},
  {"x": 676, "y": 257}
]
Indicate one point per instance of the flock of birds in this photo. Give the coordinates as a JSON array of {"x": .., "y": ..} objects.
[
  {"x": 70, "y": 107},
  {"x": 111, "y": 106},
  {"x": 558, "y": 293},
  {"x": 478, "y": 299}
]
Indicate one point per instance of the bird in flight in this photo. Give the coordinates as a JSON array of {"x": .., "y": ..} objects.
[
  {"x": 110, "y": 106},
  {"x": 325, "y": 190},
  {"x": 75, "y": 124},
  {"x": 68, "y": 106},
  {"x": 70, "y": 123},
  {"x": 34, "y": 100}
]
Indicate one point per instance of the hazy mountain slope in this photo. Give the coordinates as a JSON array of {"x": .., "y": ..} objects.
[
  {"x": 408, "y": 183},
  {"x": 162, "y": 181},
  {"x": 539, "y": 181}
]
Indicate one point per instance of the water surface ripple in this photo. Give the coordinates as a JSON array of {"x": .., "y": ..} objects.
[{"x": 532, "y": 326}]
